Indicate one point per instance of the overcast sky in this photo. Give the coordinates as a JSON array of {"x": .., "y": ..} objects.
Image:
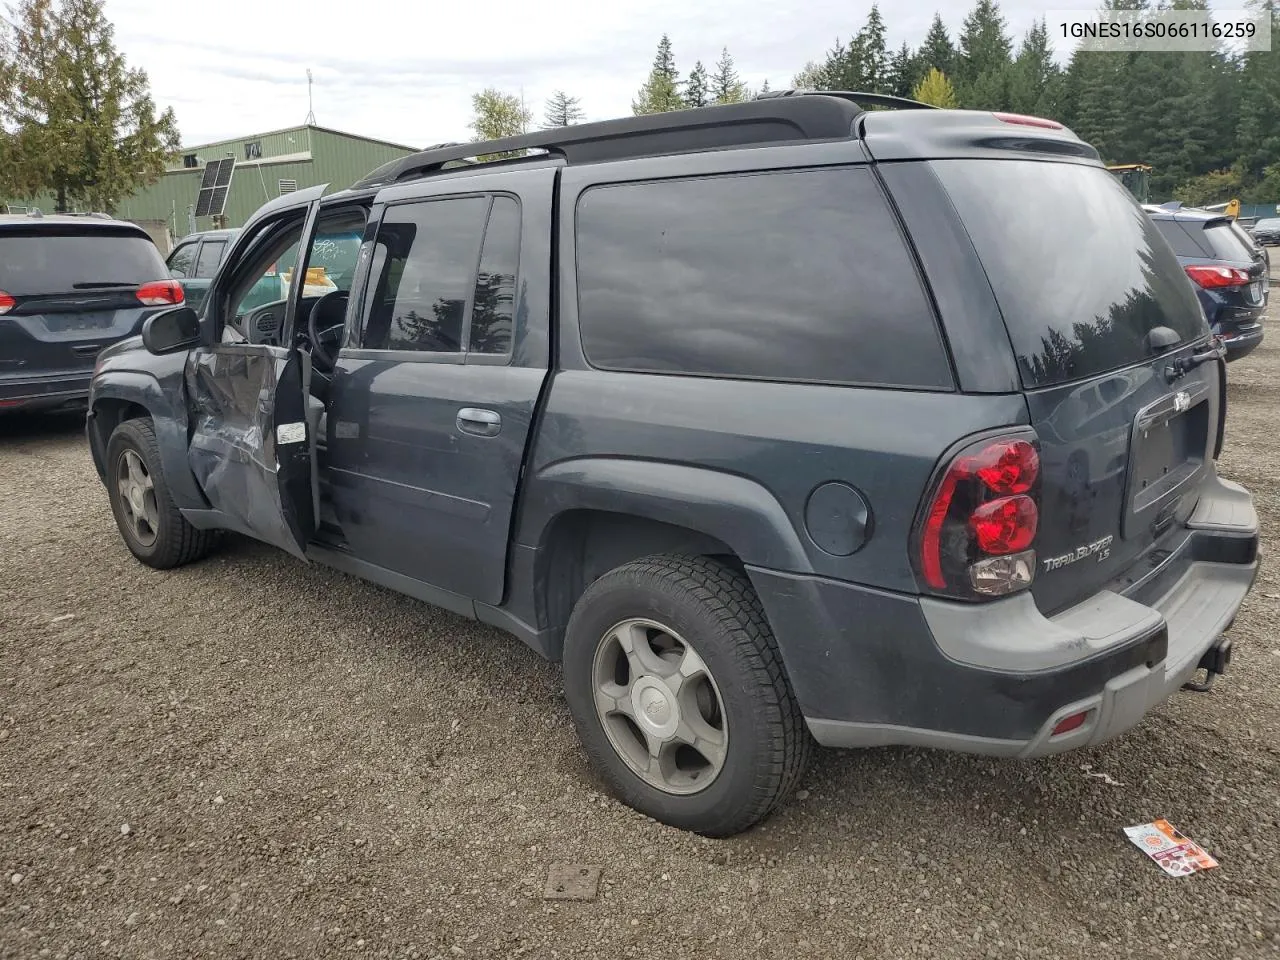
[{"x": 405, "y": 71}]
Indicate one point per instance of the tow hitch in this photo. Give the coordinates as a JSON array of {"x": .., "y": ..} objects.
[{"x": 1213, "y": 663}]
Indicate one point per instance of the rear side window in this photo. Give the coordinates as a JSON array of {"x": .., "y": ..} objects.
[
  {"x": 210, "y": 257},
  {"x": 425, "y": 260},
  {"x": 781, "y": 276},
  {"x": 1182, "y": 241},
  {"x": 1081, "y": 274},
  {"x": 1226, "y": 243},
  {"x": 34, "y": 262},
  {"x": 494, "y": 308},
  {"x": 182, "y": 260}
]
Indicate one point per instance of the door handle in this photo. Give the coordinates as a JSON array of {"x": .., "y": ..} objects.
[{"x": 478, "y": 422}]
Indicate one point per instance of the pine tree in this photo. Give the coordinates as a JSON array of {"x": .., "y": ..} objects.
[
  {"x": 1035, "y": 86},
  {"x": 902, "y": 76},
  {"x": 937, "y": 49},
  {"x": 562, "y": 111},
  {"x": 76, "y": 120},
  {"x": 936, "y": 89},
  {"x": 661, "y": 92},
  {"x": 874, "y": 53},
  {"x": 726, "y": 85},
  {"x": 696, "y": 91},
  {"x": 1257, "y": 133},
  {"x": 983, "y": 68}
]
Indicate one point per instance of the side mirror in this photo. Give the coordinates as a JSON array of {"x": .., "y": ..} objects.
[{"x": 171, "y": 330}]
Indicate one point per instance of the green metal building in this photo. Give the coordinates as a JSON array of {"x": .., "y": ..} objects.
[{"x": 267, "y": 165}]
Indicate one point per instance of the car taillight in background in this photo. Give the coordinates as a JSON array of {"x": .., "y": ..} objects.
[
  {"x": 7, "y": 302},
  {"x": 975, "y": 537},
  {"x": 158, "y": 293},
  {"x": 1210, "y": 277}
]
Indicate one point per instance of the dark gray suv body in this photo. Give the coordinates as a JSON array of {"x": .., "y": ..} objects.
[
  {"x": 778, "y": 422},
  {"x": 69, "y": 287}
]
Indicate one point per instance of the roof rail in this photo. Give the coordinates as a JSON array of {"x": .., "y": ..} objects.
[
  {"x": 854, "y": 96},
  {"x": 771, "y": 120}
]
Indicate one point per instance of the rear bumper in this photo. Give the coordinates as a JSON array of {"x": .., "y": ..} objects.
[
  {"x": 872, "y": 669},
  {"x": 1242, "y": 343},
  {"x": 43, "y": 391}
]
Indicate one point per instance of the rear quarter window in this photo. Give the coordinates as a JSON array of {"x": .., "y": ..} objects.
[
  {"x": 799, "y": 276},
  {"x": 1080, "y": 272}
]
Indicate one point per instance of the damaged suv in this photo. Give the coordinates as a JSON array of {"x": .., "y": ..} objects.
[{"x": 778, "y": 423}]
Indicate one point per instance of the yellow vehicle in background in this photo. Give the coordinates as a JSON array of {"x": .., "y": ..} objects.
[{"x": 1136, "y": 178}]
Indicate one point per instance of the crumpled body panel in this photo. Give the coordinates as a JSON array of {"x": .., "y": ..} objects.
[{"x": 250, "y": 446}]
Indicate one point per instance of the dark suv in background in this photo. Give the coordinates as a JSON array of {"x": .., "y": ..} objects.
[
  {"x": 70, "y": 286},
  {"x": 1230, "y": 271},
  {"x": 777, "y": 422}
]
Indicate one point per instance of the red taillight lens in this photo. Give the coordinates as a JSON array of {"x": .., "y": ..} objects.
[
  {"x": 7, "y": 302},
  {"x": 1026, "y": 121},
  {"x": 1007, "y": 525},
  {"x": 1211, "y": 277},
  {"x": 981, "y": 520},
  {"x": 158, "y": 293}
]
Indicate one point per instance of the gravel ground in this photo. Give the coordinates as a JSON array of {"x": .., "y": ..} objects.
[{"x": 251, "y": 757}]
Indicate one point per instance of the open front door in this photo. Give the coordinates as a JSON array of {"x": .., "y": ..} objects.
[{"x": 252, "y": 446}]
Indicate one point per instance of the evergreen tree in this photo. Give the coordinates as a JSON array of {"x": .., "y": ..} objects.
[
  {"x": 937, "y": 49},
  {"x": 903, "y": 73},
  {"x": 874, "y": 53},
  {"x": 936, "y": 89},
  {"x": 1257, "y": 132},
  {"x": 812, "y": 77},
  {"x": 696, "y": 91},
  {"x": 983, "y": 68},
  {"x": 75, "y": 119},
  {"x": 562, "y": 111},
  {"x": 726, "y": 85},
  {"x": 1035, "y": 86},
  {"x": 661, "y": 92}
]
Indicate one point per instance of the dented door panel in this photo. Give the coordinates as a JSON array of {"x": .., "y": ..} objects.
[{"x": 251, "y": 447}]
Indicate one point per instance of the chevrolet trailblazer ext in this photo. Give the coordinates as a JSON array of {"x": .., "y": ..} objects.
[{"x": 779, "y": 422}]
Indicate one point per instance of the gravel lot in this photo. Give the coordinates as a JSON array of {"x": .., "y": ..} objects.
[{"x": 251, "y": 757}]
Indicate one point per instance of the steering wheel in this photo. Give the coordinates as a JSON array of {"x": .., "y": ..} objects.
[{"x": 324, "y": 330}]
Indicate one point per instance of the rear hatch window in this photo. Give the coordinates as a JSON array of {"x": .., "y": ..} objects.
[
  {"x": 35, "y": 262},
  {"x": 1226, "y": 243},
  {"x": 1080, "y": 273}
]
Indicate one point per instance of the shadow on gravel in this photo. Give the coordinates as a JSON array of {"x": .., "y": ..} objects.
[{"x": 21, "y": 427}]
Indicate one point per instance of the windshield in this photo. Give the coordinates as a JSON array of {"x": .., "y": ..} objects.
[
  {"x": 34, "y": 262},
  {"x": 1080, "y": 273}
]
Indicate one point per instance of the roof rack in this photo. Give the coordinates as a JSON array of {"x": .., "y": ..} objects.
[
  {"x": 855, "y": 96},
  {"x": 774, "y": 119}
]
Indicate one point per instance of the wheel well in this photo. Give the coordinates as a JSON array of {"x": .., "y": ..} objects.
[
  {"x": 109, "y": 413},
  {"x": 583, "y": 545}
]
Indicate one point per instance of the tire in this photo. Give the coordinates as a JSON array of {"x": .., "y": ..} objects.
[
  {"x": 750, "y": 714},
  {"x": 165, "y": 539}
]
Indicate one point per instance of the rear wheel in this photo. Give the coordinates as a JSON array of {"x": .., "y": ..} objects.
[
  {"x": 152, "y": 527},
  {"x": 678, "y": 693}
]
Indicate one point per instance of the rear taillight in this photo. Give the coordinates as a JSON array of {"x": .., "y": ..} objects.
[
  {"x": 7, "y": 302},
  {"x": 158, "y": 293},
  {"x": 1026, "y": 121},
  {"x": 1210, "y": 277},
  {"x": 975, "y": 537}
]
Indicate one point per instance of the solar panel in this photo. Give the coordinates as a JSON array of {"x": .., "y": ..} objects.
[
  {"x": 203, "y": 202},
  {"x": 218, "y": 203},
  {"x": 224, "y": 172},
  {"x": 210, "y": 174}
]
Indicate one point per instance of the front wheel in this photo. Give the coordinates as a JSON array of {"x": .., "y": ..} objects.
[
  {"x": 152, "y": 527},
  {"x": 679, "y": 696}
]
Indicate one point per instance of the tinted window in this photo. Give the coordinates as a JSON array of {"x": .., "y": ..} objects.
[
  {"x": 425, "y": 262},
  {"x": 1180, "y": 239},
  {"x": 791, "y": 276},
  {"x": 181, "y": 260},
  {"x": 35, "y": 262},
  {"x": 1080, "y": 272},
  {"x": 210, "y": 257},
  {"x": 1226, "y": 243},
  {"x": 1270, "y": 224},
  {"x": 494, "y": 308}
]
